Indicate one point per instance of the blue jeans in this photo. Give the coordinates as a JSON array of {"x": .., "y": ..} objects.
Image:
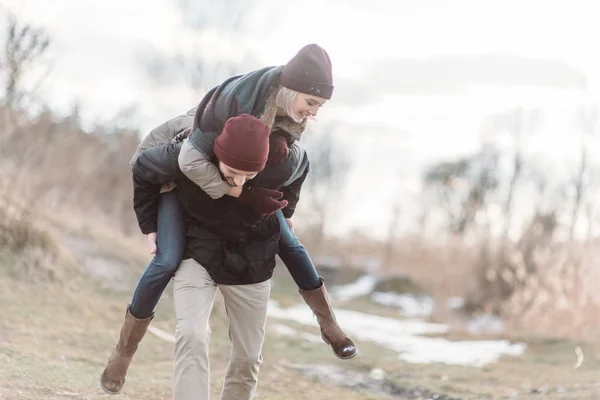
[
  {"x": 296, "y": 258},
  {"x": 171, "y": 244}
]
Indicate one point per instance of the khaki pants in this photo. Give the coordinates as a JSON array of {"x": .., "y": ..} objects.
[{"x": 246, "y": 305}]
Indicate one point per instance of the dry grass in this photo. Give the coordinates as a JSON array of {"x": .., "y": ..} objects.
[
  {"x": 27, "y": 248},
  {"x": 547, "y": 288},
  {"x": 56, "y": 334},
  {"x": 55, "y": 165},
  {"x": 55, "y": 340},
  {"x": 444, "y": 268},
  {"x": 536, "y": 284},
  {"x": 55, "y": 337}
]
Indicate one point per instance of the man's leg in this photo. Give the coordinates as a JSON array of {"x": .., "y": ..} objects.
[
  {"x": 193, "y": 294},
  {"x": 246, "y": 307}
]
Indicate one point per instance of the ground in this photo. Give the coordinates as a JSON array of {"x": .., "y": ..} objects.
[{"x": 57, "y": 332}]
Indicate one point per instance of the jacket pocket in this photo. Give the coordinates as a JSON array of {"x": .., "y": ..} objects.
[{"x": 251, "y": 263}]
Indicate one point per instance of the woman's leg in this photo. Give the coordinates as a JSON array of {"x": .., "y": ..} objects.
[
  {"x": 171, "y": 244},
  {"x": 295, "y": 257},
  {"x": 313, "y": 290},
  {"x": 154, "y": 280}
]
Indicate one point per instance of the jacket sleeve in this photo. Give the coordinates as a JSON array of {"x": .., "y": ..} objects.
[
  {"x": 196, "y": 165},
  {"x": 291, "y": 193},
  {"x": 164, "y": 133},
  {"x": 153, "y": 167}
]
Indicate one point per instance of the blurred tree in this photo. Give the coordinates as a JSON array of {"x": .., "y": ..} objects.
[
  {"x": 590, "y": 203},
  {"x": 519, "y": 124},
  {"x": 445, "y": 180},
  {"x": 24, "y": 46},
  {"x": 588, "y": 117},
  {"x": 392, "y": 235},
  {"x": 537, "y": 175},
  {"x": 327, "y": 177},
  {"x": 463, "y": 187}
]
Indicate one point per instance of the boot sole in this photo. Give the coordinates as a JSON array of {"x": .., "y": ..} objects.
[
  {"x": 106, "y": 390},
  {"x": 341, "y": 358}
]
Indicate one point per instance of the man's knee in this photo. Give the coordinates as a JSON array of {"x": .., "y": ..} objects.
[
  {"x": 247, "y": 366},
  {"x": 192, "y": 336}
]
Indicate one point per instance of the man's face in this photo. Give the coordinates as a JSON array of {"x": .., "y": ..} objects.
[
  {"x": 306, "y": 106},
  {"x": 235, "y": 177}
]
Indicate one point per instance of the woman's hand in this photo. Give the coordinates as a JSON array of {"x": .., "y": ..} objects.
[
  {"x": 151, "y": 237},
  {"x": 290, "y": 223},
  {"x": 278, "y": 149}
]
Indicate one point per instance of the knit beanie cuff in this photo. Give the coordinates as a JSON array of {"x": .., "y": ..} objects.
[
  {"x": 237, "y": 163},
  {"x": 319, "y": 89}
]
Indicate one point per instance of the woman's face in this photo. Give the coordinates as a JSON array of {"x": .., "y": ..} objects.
[{"x": 306, "y": 105}]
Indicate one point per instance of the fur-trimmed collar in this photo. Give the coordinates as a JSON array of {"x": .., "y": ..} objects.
[{"x": 269, "y": 117}]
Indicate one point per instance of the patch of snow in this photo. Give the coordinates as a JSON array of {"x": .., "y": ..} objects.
[
  {"x": 410, "y": 305},
  {"x": 455, "y": 303},
  {"x": 355, "y": 320},
  {"x": 485, "y": 323},
  {"x": 402, "y": 336},
  {"x": 377, "y": 374},
  {"x": 468, "y": 352},
  {"x": 362, "y": 287}
]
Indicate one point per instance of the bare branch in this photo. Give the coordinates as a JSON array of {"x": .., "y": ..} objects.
[
  {"x": 327, "y": 178},
  {"x": 24, "y": 47}
]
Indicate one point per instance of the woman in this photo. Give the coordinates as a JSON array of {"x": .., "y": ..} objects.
[{"x": 284, "y": 98}]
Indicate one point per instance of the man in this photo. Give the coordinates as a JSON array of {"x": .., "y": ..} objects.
[{"x": 228, "y": 245}]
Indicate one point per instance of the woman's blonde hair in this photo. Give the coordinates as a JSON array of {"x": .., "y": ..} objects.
[{"x": 285, "y": 100}]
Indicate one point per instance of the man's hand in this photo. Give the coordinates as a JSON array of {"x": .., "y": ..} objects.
[
  {"x": 262, "y": 201},
  {"x": 290, "y": 223},
  {"x": 151, "y": 237},
  {"x": 278, "y": 149}
]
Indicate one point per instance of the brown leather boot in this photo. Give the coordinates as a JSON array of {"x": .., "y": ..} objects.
[
  {"x": 132, "y": 332},
  {"x": 332, "y": 334}
]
